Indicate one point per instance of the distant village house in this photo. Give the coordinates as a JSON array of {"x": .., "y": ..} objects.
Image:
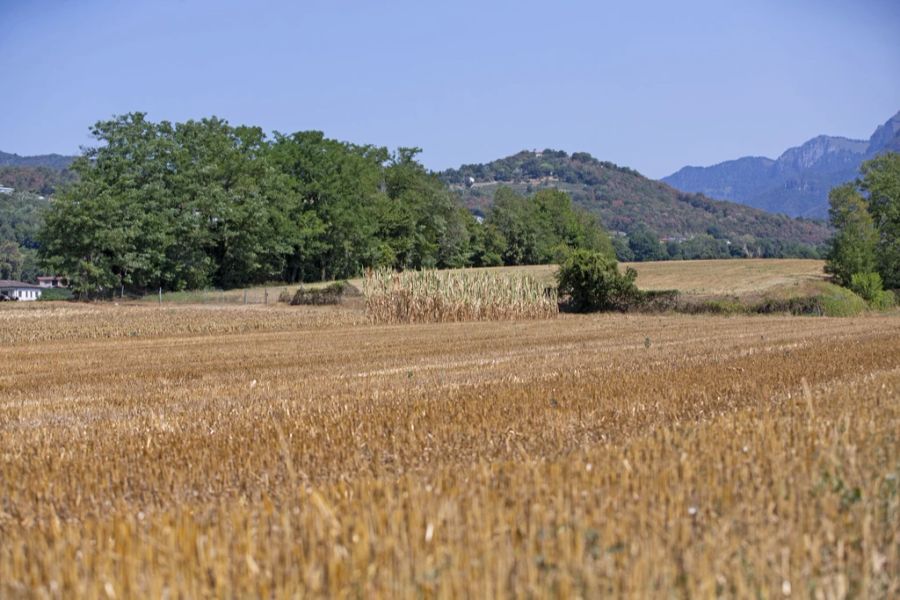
[
  {"x": 52, "y": 281},
  {"x": 18, "y": 290}
]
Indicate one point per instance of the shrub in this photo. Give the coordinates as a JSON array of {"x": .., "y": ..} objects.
[
  {"x": 332, "y": 294},
  {"x": 867, "y": 286},
  {"x": 591, "y": 281},
  {"x": 656, "y": 301},
  {"x": 841, "y": 302},
  {"x": 51, "y": 294},
  {"x": 796, "y": 305},
  {"x": 884, "y": 300}
]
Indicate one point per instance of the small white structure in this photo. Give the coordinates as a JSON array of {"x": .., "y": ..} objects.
[
  {"x": 6, "y": 190},
  {"x": 52, "y": 281},
  {"x": 18, "y": 290}
]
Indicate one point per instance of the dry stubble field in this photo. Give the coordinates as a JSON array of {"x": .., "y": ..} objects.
[{"x": 276, "y": 452}]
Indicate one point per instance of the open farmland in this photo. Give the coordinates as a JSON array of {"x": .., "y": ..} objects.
[
  {"x": 691, "y": 277},
  {"x": 275, "y": 451}
]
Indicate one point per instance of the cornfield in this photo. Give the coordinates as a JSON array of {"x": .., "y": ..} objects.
[{"x": 443, "y": 297}]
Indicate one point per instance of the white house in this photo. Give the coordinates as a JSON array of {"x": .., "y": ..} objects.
[
  {"x": 6, "y": 190},
  {"x": 52, "y": 281},
  {"x": 18, "y": 290}
]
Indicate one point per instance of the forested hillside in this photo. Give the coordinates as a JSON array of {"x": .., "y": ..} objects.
[
  {"x": 52, "y": 161},
  {"x": 629, "y": 203},
  {"x": 39, "y": 180}
]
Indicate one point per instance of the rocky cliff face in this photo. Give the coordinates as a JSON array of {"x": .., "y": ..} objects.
[{"x": 797, "y": 182}]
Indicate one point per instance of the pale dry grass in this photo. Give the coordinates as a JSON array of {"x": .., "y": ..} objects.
[
  {"x": 734, "y": 277},
  {"x": 46, "y": 321},
  {"x": 582, "y": 456}
]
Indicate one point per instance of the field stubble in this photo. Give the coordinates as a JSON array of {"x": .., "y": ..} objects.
[{"x": 251, "y": 452}]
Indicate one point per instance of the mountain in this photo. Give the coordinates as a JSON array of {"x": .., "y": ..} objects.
[
  {"x": 797, "y": 182},
  {"x": 51, "y": 161},
  {"x": 41, "y": 174},
  {"x": 38, "y": 180},
  {"x": 624, "y": 199}
]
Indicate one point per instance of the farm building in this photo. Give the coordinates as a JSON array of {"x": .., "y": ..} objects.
[
  {"x": 51, "y": 281},
  {"x": 18, "y": 290}
]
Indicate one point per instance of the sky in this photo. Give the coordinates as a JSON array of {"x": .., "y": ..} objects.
[{"x": 650, "y": 85}]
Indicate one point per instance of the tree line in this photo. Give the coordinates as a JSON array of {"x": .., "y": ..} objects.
[
  {"x": 204, "y": 203},
  {"x": 864, "y": 253},
  {"x": 21, "y": 217}
]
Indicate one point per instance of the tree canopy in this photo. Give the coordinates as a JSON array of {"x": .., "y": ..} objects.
[
  {"x": 866, "y": 219},
  {"x": 204, "y": 203}
]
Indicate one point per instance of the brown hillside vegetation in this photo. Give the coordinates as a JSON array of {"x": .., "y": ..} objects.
[
  {"x": 623, "y": 198},
  {"x": 279, "y": 452}
]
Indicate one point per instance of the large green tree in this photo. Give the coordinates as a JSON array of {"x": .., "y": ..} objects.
[
  {"x": 881, "y": 182},
  {"x": 852, "y": 249},
  {"x": 205, "y": 203},
  {"x": 544, "y": 228}
]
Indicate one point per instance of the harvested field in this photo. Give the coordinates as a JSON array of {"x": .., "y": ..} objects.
[
  {"x": 274, "y": 452},
  {"x": 691, "y": 277},
  {"x": 734, "y": 277}
]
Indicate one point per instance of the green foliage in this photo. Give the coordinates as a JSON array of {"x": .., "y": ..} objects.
[
  {"x": 20, "y": 221},
  {"x": 203, "y": 203},
  {"x": 881, "y": 181},
  {"x": 56, "y": 294},
  {"x": 591, "y": 281},
  {"x": 622, "y": 249},
  {"x": 38, "y": 180},
  {"x": 645, "y": 245},
  {"x": 623, "y": 200},
  {"x": 543, "y": 229},
  {"x": 330, "y": 294},
  {"x": 867, "y": 286},
  {"x": 867, "y": 228},
  {"x": 852, "y": 249},
  {"x": 885, "y": 300},
  {"x": 841, "y": 302}
]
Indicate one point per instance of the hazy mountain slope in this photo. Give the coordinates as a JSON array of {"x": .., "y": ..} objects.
[
  {"x": 797, "y": 182},
  {"x": 623, "y": 198},
  {"x": 52, "y": 161},
  {"x": 40, "y": 180}
]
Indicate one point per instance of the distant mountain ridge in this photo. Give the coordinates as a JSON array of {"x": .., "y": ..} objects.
[
  {"x": 42, "y": 174},
  {"x": 797, "y": 182},
  {"x": 624, "y": 199},
  {"x": 51, "y": 161}
]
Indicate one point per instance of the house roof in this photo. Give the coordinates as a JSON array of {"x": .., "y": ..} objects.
[{"x": 8, "y": 283}]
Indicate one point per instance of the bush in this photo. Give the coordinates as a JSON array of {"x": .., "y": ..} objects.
[
  {"x": 796, "y": 305},
  {"x": 656, "y": 301},
  {"x": 867, "y": 286},
  {"x": 52, "y": 294},
  {"x": 841, "y": 302},
  {"x": 884, "y": 300},
  {"x": 332, "y": 294},
  {"x": 591, "y": 281}
]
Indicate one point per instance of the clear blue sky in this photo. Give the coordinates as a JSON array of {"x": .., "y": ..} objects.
[{"x": 650, "y": 85}]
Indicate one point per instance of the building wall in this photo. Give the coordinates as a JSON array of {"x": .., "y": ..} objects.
[{"x": 25, "y": 295}]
